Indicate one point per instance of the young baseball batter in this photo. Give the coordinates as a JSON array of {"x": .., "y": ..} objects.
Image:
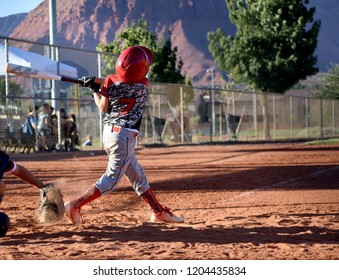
[{"x": 122, "y": 98}]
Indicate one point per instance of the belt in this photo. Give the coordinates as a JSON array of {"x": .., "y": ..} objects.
[{"x": 119, "y": 129}]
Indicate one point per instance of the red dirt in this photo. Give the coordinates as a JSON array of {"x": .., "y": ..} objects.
[{"x": 241, "y": 201}]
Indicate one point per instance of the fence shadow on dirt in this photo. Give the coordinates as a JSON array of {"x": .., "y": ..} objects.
[{"x": 161, "y": 233}]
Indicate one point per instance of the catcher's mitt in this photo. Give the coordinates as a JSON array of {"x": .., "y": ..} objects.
[{"x": 52, "y": 207}]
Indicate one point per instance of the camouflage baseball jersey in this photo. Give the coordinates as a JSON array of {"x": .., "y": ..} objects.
[{"x": 126, "y": 102}]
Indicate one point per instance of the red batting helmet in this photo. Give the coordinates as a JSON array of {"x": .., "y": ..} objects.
[{"x": 133, "y": 64}]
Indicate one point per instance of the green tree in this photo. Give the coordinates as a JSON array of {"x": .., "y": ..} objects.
[
  {"x": 273, "y": 48},
  {"x": 165, "y": 68},
  {"x": 328, "y": 87},
  {"x": 165, "y": 60},
  {"x": 135, "y": 34},
  {"x": 14, "y": 90}
]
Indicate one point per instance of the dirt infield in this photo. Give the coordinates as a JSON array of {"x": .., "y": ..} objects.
[{"x": 264, "y": 201}]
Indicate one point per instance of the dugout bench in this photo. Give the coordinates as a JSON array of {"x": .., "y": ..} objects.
[{"x": 12, "y": 135}]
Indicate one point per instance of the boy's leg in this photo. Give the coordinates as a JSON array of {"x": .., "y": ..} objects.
[
  {"x": 72, "y": 208},
  {"x": 117, "y": 163},
  {"x": 137, "y": 178}
]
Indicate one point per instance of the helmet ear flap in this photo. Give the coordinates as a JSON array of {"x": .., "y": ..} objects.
[{"x": 148, "y": 53}]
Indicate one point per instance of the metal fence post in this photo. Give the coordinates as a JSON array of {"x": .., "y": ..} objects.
[
  {"x": 255, "y": 121},
  {"x": 274, "y": 118},
  {"x": 6, "y": 75},
  {"x": 333, "y": 122},
  {"x": 321, "y": 118},
  {"x": 212, "y": 71},
  {"x": 307, "y": 117},
  {"x": 182, "y": 114},
  {"x": 211, "y": 119},
  {"x": 291, "y": 117},
  {"x": 100, "y": 113}
]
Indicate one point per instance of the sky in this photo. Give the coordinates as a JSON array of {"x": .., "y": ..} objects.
[{"x": 11, "y": 7}]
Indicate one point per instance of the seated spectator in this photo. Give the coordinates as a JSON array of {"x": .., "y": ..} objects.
[{"x": 88, "y": 141}]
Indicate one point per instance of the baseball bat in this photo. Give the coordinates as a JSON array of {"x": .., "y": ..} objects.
[{"x": 33, "y": 73}]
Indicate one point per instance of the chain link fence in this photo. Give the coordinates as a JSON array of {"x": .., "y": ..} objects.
[{"x": 174, "y": 114}]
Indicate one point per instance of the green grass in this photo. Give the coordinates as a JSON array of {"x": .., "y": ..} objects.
[{"x": 323, "y": 142}]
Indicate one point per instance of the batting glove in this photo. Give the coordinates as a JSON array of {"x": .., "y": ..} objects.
[{"x": 88, "y": 81}]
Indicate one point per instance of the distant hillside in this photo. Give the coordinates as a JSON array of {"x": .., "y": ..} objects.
[
  {"x": 8, "y": 24},
  {"x": 83, "y": 24}
]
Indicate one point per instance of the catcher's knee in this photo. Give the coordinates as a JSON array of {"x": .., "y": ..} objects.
[{"x": 4, "y": 224}]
